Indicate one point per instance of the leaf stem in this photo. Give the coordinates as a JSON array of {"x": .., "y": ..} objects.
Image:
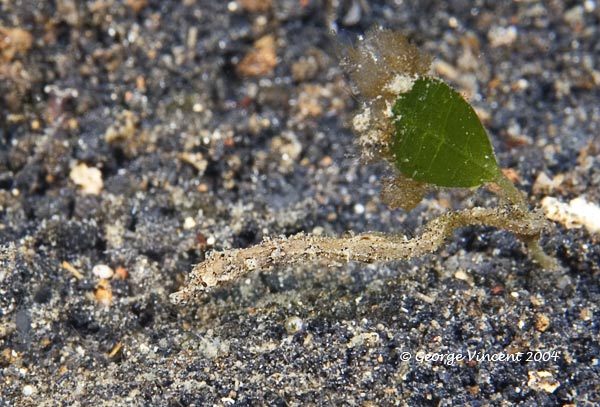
[{"x": 509, "y": 192}]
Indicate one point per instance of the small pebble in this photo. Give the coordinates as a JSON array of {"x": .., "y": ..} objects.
[
  {"x": 589, "y": 6},
  {"x": 364, "y": 339},
  {"x": 103, "y": 293},
  {"x": 542, "y": 381},
  {"x": 576, "y": 214},
  {"x": 359, "y": 209},
  {"x": 293, "y": 325},
  {"x": 189, "y": 223},
  {"x": 261, "y": 60},
  {"x": 461, "y": 275},
  {"x": 542, "y": 322},
  {"x": 585, "y": 314},
  {"x": 232, "y": 6},
  {"x": 28, "y": 390},
  {"x": 103, "y": 271},
  {"x": 502, "y": 36},
  {"x": 318, "y": 231},
  {"x": 88, "y": 178}
]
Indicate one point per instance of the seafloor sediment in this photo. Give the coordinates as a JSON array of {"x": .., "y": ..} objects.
[{"x": 136, "y": 136}]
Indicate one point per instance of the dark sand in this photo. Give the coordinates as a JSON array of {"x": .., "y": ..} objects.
[{"x": 204, "y": 139}]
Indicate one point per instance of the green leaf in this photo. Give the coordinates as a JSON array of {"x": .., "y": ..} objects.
[{"x": 439, "y": 139}]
